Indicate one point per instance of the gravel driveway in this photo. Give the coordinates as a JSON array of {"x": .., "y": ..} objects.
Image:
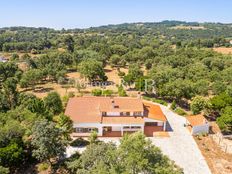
[{"x": 181, "y": 147}]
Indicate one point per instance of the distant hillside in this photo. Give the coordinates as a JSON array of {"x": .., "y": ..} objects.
[
  {"x": 178, "y": 33},
  {"x": 205, "y": 30}
]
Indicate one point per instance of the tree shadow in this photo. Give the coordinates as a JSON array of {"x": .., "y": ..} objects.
[
  {"x": 107, "y": 70},
  {"x": 27, "y": 169},
  {"x": 184, "y": 104},
  {"x": 42, "y": 90}
]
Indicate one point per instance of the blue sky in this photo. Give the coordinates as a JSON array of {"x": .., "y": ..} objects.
[{"x": 86, "y": 13}]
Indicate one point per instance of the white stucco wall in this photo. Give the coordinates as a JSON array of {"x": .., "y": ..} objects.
[
  {"x": 86, "y": 125},
  {"x": 200, "y": 129},
  {"x": 152, "y": 120},
  {"x": 118, "y": 113},
  {"x": 116, "y": 128},
  {"x": 113, "y": 113}
]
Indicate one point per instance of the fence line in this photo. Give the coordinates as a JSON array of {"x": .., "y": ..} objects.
[{"x": 225, "y": 144}]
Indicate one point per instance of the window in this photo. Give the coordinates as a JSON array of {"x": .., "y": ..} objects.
[
  {"x": 135, "y": 127},
  {"x": 137, "y": 113},
  {"x": 84, "y": 130},
  {"x": 124, "y": 113},
  {"x": 151, "y": 124},
  {"x": 131, "y": 127},
  {"x": 104, "y": 114}
]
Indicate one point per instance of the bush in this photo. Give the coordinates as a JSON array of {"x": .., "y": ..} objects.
[
  {"x": 198, "y": 104},
  {"x": 11, "y": 155},
  {"x": 147, "y": 98},
  {"x": 74, "y": 156},
  {"x": 4, "y": 170},
  {"x": 121, "y": 74},
  {"x": 96, "y": 92},
  {"x": 162, "y": 102},
  {"x": 65, "y": 100},
  {"x": 79, "y": 142},
  {"x": 173, "y": 105},
  {"x": 180, "y": 111},
  {"x": 43, "y": 167},
  {"x": 93, "y": 138},
  {"x": 107, "y": 92},
  {"x": 53, "y": 103},
  {"x": 121, "y": 91},
  {"x": 225, "y": 120},
  {"x": 14, "y": 56},
  {"x": 62, "y": 81},
  {"x": 34, "y": 51},
  {"x": 71, "y": 94}
]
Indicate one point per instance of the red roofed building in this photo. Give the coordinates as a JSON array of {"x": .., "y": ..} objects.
[
  {"x": 197, "y": 124},
  {"x": 114, "y": 116}
]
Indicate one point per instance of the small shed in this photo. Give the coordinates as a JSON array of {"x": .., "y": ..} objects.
[{"x": 197, "y": 124}]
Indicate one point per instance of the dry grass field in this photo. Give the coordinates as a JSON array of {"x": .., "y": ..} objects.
[
  {"x": 182, "y": 27},
  {"x": 218, "y": 161},
  {"x": 8, "y": 55},
  {"x": 41, "y": 90},
  {"x": 223, "y": 50}
]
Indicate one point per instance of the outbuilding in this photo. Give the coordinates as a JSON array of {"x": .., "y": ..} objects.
[{"x": 197, "y": 124}]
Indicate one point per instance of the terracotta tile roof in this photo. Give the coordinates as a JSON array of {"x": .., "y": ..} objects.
[
  {"x": 122, "y": 120},
  {"x": 154, "y": 111},
  {"x": 196, "y": 120},
  {"x": 121, "y": 104},
  {"x": 88, "y": 109},
  {"x": 83, "y": 110}
]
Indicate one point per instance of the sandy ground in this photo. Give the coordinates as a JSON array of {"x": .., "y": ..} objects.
[
  {"x": 218, "y": 161},
  {"x": 223, "y": 50}
]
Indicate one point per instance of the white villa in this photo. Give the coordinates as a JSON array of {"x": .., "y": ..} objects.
[{"x": 114, "y": 116}]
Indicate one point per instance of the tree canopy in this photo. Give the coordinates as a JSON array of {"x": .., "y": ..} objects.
[
  {"x": 92, "y": 70},
  {"x": 135, "y": 154}
]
